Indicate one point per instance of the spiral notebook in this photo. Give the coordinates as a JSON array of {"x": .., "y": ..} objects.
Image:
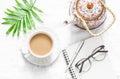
[{"x": 99, "y": 70}]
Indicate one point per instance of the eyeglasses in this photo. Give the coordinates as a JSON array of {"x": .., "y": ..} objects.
[{"x": 85, "y": 64}]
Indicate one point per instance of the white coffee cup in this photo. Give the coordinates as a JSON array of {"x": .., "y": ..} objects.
[{"x": 48, "y": 58}]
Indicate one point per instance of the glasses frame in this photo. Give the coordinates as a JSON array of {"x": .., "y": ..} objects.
[{"x": 94, "y": 52}]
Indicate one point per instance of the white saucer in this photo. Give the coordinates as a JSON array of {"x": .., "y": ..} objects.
[{"x": 36, "y": 61}]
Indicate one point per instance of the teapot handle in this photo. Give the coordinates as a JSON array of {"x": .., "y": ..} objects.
[{"x": 104, "y": 30}]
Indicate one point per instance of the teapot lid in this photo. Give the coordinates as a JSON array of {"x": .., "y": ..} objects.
[{"x": 89, "y": 9}]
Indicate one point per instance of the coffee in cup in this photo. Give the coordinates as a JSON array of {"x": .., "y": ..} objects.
[{"x": 41, "y": 44}]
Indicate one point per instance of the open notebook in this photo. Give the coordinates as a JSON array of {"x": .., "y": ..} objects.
[{"x": 98, "y": 70}]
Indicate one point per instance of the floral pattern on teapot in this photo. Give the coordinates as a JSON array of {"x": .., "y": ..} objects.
[{"x": 92, "y": 11}]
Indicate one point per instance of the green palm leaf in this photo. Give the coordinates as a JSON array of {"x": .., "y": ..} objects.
[
  {"x": 15, "y": 29},
  {"x": 19, "y": 29},
  {"x": 31, "y": 2},
  {"x": 36, "y": 16},
  {"x": 31, "y": 20},
  {"x": 20, "y": 4},
  {"x": 13, "y": 15},
  {"x": 24, "y": 25},
  {"x": 27, "y": 3},
  {"x": 9, "y": 22},
  {"x": 28, "y": 22},
  {"x": 17, "y": 13},
  {"x": 21, "y": 17},
  {"x": 10, "y": 29},
  {"x": 37, "y": 9}
]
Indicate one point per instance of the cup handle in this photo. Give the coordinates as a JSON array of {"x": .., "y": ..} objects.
[
  {"x": 104, "y": 30},
  {"x": 25, "y": 52}
]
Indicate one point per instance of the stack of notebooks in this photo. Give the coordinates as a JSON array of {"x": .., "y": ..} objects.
[{"x": 98, "y": 70}]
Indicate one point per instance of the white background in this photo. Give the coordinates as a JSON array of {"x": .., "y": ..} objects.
[{"x": 55, "y": 13}]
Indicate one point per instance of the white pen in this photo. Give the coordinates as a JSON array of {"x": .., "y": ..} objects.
[{"x": 74, "y": 57}]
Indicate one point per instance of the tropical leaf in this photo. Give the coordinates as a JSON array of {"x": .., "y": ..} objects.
[
  {"x": 10, "y": 29},
  {"x": 16, "y": 8},
  {"x": 17, "y": 13},
  {"x": 19, "y": 29},
  {"x": 28, "y": 22},
  {"x": 36, "y": 16},
  {"x": 37, "y": 9},
  {"x": 10, "y": 19},
  {"x": 10, "y": 11},
  {"x": 21, "y": 17},
  {"x": 26, "y": 3},
  {"x": 31, "y": 20},
  {"x": 9, "y": 22},
  {"x": 31, "y": 2},
  {"x": 24, "y": 25},
  {"x": 12, "y": 15},
  {"x": 15, "y": 29},
  {"x": 20, "y": 4}
]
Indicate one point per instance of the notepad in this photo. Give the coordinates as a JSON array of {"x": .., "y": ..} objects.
[{"x": 99, "y": 70}]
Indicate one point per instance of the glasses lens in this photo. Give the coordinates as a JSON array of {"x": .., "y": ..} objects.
[
  {"x": 83, "y": 65},
  {"x": 87, "y": 66},
  {"x": 100, "y": 54}
]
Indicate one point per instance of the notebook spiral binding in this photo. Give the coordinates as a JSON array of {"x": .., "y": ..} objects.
[{"x": 67, "y": 59}]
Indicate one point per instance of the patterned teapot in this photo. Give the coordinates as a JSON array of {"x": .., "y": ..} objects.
[{"x": 90, "y": 14}]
